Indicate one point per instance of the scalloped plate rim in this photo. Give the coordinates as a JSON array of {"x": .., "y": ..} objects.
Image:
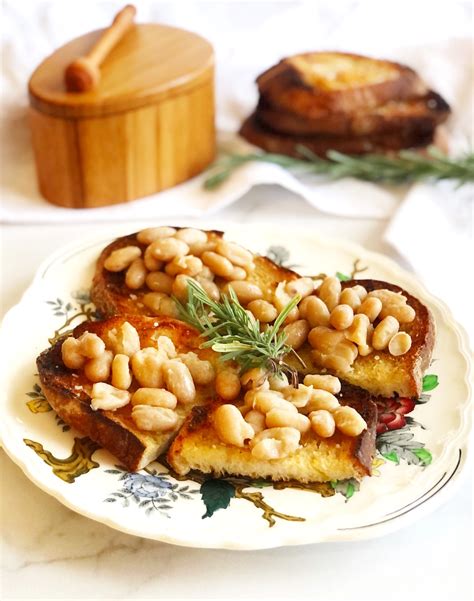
[{"x": 364, "y": 532}]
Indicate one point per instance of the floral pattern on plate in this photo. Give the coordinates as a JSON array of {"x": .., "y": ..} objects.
[
  {"x": 422, "y": 448},
  {"x": 153, "y": 491}
]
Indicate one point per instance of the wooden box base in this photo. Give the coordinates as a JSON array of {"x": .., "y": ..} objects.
[{"x": 98, "y": 161}]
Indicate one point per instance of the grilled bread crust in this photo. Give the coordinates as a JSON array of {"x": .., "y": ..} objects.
[
  {"x": 318, "y": 83},
  {"x": 68, "y": 391},
  {"x": 384, "y": 376},
  {"x": 419, "y": 114},
  {"x": 403, "y": 374},
  {"x": 197, "y": 447},
  {"x": 380, "y": 373},
  {"x": 419, "y": 135},
  {"x": 112, "y": 297}
]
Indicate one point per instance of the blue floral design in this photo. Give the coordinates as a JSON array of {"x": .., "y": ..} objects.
[
  {"x": 151, "y": 491},
  {"x": 146, "y": 486}
]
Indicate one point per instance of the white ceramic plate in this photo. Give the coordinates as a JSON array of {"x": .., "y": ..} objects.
[{"x": 417, "y": 467}]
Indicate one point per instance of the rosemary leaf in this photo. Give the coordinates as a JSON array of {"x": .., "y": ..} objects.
[
  {"x": 235, "y": 334},
  {"x": 404, "y": 167}
]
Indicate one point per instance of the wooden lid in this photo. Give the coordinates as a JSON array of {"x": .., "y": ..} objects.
[{"x": 151, "y": 63}]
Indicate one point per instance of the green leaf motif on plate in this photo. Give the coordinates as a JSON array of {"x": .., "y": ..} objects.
[
  {"x": 430, "y": 382},
  {"x": 424, "y": 455},
  {"x": 342, "y": 277},
  {"x": 392, "y": 456},
  {"x": 347, "y": 488},
  {"x": 395, "y": 445},
  {"x": 216, "y": 494}
]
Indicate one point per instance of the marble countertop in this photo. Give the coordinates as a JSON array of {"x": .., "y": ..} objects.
[{"x": 49, "y": 552}]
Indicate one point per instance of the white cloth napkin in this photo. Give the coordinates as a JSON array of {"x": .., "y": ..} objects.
[
  {"x": 431, "y": 225},
  {"x": 247, "y": 39}
]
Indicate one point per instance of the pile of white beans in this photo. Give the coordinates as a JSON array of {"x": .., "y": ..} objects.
[
  {"x": 339, "y": 324},
  {"x": 161, "y": 377},
  {"x": 344, "y": 324},
  {"x": 274, "y": 415}
]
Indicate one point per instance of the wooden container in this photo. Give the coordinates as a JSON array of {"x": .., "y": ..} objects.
[{"x": 148, "y": 125}]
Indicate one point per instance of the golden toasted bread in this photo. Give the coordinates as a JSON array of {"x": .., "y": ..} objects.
[
  {"x": 69, "y": 391},
  {"x": 419, "y": 135},
  {"x": 198, "y": 447},
  {"x": 70, "y": 394},
  {"x": 316, "y": 84},
  {"x": 112, "y": 297},
  {"x": 419, "y": 114},
  {"x": 380, "y": 373}
]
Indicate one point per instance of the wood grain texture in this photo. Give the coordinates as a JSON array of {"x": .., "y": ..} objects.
[
  {"x": 149, "y": 64},
  {"x": 148, "y": 126}
]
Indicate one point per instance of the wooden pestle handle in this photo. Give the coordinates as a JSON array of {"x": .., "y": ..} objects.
[{"x": 83, "y": 74}]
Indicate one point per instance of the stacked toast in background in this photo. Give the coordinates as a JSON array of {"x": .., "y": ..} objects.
[{"x": 344, "y": 102}]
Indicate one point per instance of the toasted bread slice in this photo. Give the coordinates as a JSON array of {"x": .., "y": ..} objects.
[
  {"x": 419, "y": 114},
  {"x": 197, "y": 447},
  {"x": 68, "y": 391},
  {"x": 384, "y": 376},
  {"x": 419, "y": 135},
  {"x": 380, "y": 373},
  {"x": 315, "y": 84},
  {"x": 112, "y": 297}
]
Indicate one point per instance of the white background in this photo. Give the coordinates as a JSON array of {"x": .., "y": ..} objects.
[{"x": 48, "y": 552}]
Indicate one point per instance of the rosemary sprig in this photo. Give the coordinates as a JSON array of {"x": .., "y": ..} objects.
[
  {"x": 231, "y": 331},
  {"x": 404, "y": 167}
]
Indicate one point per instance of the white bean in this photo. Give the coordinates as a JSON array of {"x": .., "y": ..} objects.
[
  {"x": 329, "y": 292},
  {"x": 179, "y": 381},
  {"x": 234, "y": 253},
  {"x": 315, "y": 311},
  {"x": 231, "y": 427},
  {"x": 262, "y": 310},
  {"x": 136, "y": 274},
  {"x": 341, "y": 317},
  {"x": 385, "y": 330},
  {"x": 107, "y": 397},
  {"x": 157, "y": 397},
  {"x": 191, "y": 236},
  {"x": 296, "y": 333},
  {"x": 166, "y": 249},
  {"x": 349, "y": 421},
  {"x": 121, "y": 375},
  {"x": 218, "y": 264},
  {"x": 399, "y": 344},
  {"x": 151, "y": 234},
  {"x": 323, "y": 382},
  {"x": 227, "y": 384},
  {"x": 120, "y": 259},
  {"x": 302, "y": 286},
  {"x": 245, "y": 291},
  {"x": 154, "y": 419},
  {"x": 159, "y": 282}
]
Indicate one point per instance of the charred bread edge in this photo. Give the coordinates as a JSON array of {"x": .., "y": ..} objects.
[
  {"x": 120, "y": 441},
  {"x": 289, "y": 123},
  {"x": 270, "y": 141},
  {"x": 284, "y": 76},
  {"x": 125, "y": 444}
]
